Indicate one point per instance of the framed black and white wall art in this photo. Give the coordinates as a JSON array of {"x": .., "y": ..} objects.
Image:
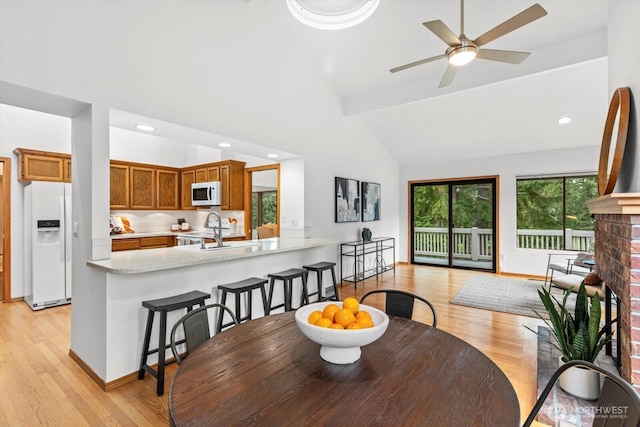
[
  {"x": 370, "y": 201},
  {"x": 347, "y": 200}
]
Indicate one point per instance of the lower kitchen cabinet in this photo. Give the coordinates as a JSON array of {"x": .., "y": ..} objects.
[
  {"x": 124, "y": 244},
  {"x": 135, "y": 243}
]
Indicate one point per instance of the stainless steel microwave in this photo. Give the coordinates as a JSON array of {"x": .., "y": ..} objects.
[{"x": 205, "y": 193}]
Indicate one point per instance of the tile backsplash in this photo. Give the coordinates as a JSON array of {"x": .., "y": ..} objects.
[{"x": 159, "y": 221}]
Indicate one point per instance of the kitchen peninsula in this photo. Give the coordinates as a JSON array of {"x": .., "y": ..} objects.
[{"x": 139, "y": 275}]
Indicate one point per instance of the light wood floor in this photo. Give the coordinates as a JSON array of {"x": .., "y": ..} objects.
[{"x": 41, "y": 385}]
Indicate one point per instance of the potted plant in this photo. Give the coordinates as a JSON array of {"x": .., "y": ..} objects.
[{"x": 578, "y": 337}]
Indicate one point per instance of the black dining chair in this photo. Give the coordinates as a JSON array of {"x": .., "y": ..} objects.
[
  {"x": 400, "y": 303},
  {"x": 616, "y": 395},
  {"x": 195, "y": 325}
]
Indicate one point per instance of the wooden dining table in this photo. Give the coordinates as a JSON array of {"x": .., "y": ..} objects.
[{"x": 265, "y": 372}]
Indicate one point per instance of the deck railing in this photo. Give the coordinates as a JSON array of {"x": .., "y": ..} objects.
[
  {"x": 477, "y": 243},
  {"x": 577, "y": 240}
]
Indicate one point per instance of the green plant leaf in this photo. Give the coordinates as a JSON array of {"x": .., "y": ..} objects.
[
  {"x": 582, "y": 305},
  {"x": 594, "y": 322}
]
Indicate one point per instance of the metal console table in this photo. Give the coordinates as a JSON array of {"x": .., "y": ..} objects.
[{"x": 369, "y": 253}]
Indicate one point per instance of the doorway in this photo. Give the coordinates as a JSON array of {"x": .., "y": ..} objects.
[
  {"x": 453, "y": 223},
  {"x": 5, "y": 224},
  {"x": 262, "y": 198}
]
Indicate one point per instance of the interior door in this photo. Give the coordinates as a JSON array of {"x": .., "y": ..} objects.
[{"x": 454, "y": 223}]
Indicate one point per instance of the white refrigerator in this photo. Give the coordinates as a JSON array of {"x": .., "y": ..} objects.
[{"x": 47, "y": 237}]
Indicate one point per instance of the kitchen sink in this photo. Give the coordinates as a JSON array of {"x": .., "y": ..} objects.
[{"x": 211, "y": 247}]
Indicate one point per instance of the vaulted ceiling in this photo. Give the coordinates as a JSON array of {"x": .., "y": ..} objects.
[{"x": 490, "y": 107}]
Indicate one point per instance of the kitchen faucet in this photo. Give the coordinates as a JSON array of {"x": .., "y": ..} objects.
[{"x": 217, "y": 234}]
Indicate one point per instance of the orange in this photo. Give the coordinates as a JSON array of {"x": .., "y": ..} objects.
[
  {"x": 344, "y": 316},
  {"x": 336, "y": 326},
  {"x": 329, "y": 311},
  {"x": 315, "y": 316},
  {"x": 362, "y": 314},
  {"x": 354, "y": 325},
  {"x": 324, "y": 323},
  {"x": 351, "y": 304},
  {"x": 365, "y": 322}
]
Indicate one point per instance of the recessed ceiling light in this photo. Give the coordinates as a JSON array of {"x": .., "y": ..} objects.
[
  {"x": 564, "y": 120},
  {"x": 332, "y": 14},
  {"x": 224, "y": 144},
  {"x": 272, "y": 156},
  {"x": 147, "y": 128}
]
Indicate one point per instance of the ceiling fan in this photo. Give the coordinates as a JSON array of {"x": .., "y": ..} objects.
[{"x": 461, "y": 50}]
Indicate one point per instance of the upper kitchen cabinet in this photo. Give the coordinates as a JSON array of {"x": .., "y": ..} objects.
[
  {"x": 168, "y": 189},
  {"x": 119, "y": 186},
  {"x": 207, "y": 173},
  {"x": 141, "y": 186},
  {"x": 35, "y": 165},
  {"x": 230, "y": 173},
  {"x": 187, "y": 177},
  {"x": 232, "y": 181}
]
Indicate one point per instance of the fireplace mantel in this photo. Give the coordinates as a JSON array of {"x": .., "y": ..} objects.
[{"x": 616, "y": 203}]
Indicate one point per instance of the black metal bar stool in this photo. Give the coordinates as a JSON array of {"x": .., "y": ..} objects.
[
  {"x": 319, "y": 268},
  {"x": 164, "y": 305},
  {"x": 238, "y": 288},
  {"x": 287, "y": 278}
]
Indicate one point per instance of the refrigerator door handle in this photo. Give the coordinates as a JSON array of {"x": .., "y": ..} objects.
[{"x": 62, "y": 230}]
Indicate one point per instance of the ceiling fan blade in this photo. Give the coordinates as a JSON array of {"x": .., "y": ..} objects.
[
  {"x": 441, "y": 30},
  {"x": 523, "y": 18},
  {"x": 510, "y": 56},
  {"x": 414, "y": 64},
  {"x": 448, "y": 76}
]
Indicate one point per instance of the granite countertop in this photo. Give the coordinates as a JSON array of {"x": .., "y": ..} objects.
[
  {"x": 149, "y": 260},
  {"x": 195, "y": 233}
]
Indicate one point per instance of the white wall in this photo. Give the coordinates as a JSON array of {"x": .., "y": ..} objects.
[
  {"x": 24, "y": 128},
  {"x": 525, "y": 261},
  {"x": 147, "y": 148},
  {"x": 624, "y": 71}
]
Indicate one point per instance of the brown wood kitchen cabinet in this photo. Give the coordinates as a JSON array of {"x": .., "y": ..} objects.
[
  {"x": 230, "y": 173},
  {"x": 207, "y": 173},
  {"x": 232, "y": 181},
  {"x": 36, "y": 165},
  {"x": 119, "y": 186},
  {"x": 142, "y": 186},
  {"x": 187, "y": 177},
  {"x": 135, "y": 243},
  {"x": 168, "y": 188}
]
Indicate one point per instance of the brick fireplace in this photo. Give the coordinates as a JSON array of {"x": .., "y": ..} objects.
[{"x": 617, "y": 235}]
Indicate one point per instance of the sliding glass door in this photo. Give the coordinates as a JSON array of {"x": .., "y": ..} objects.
[{"x": 454, "y": 223}]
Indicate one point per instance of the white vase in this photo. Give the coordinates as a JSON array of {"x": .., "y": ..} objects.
[{"x": 580, "y": 382}]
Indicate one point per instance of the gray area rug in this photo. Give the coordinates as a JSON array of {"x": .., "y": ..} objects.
[{"x": 507, "y": 295}]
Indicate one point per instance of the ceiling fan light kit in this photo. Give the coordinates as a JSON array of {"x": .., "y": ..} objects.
[
  {"x": 461, "y": 50},
  {"x": 462, "y": 55}
]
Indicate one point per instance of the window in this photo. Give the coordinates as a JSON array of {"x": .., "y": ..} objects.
[
  {"x": 552, "y": 213},
  {"x": 264, "y": 208}
]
